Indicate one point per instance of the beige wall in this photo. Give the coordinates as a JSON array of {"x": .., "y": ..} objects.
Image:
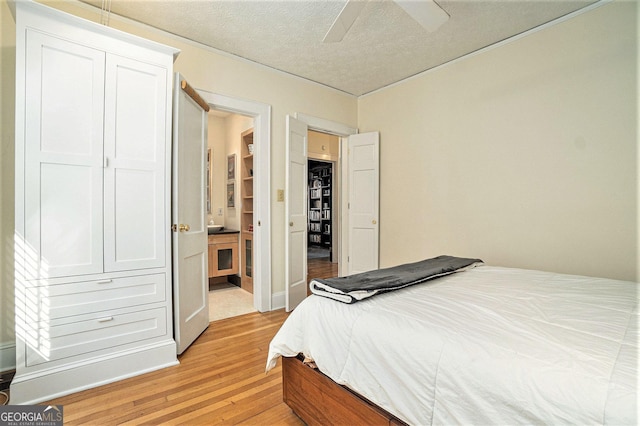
[
  {"x": 524, "y": 155},
  {"x": 224, "y": 139},
  {"x": 218, "y": 146},
  {"x": 235, "y": 125},
  {"x": 323, "y": 146},
  {"x": 7, "y": 133}
]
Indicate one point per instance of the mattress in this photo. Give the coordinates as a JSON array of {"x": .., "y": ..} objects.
[{"x": 489, "y": 345}]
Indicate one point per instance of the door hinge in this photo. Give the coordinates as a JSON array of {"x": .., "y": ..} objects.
[{"x": 106, "y": 162}]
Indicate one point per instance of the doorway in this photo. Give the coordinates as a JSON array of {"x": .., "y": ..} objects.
[
  {"x": 261, "y": 115},
  {"x": 323, "y": 242},
  {"x": 321, "y": 210},
  {"x": 322, "y": 258},
  {"x": 358, "y": 223},
  {"x": 227, "y": 203}
]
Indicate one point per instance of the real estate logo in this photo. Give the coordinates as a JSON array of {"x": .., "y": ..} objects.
[{"x": 31, "y": 415}]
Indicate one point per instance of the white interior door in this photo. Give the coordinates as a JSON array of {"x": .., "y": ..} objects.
[
  {"x": 363, "y": 202},
  {"x": 296, "y": 213},
  {"x": 189, "y": 236}
]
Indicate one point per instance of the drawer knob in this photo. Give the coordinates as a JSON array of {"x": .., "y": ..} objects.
[{"x": 105, "y": 319}]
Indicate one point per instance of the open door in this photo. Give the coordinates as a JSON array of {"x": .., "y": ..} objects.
[
  {"x": 363, "y": 202},
  {"x": 189, "y": 230},
  {"x": 360, "y": 189},
  {"x": 296, "y": 213}
]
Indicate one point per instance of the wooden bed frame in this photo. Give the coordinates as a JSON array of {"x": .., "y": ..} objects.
[{"x": 318, "y": 400}]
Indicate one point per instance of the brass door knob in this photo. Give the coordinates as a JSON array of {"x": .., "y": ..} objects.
[{"x": 184, "y": 228}]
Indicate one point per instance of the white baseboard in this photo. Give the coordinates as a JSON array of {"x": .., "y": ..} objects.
[
  {"x": 46, "y": 385},
  {"x": 278, "y": 300},
  {"x": 7, "y": 356}
]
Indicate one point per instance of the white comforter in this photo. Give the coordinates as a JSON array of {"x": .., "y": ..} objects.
[{"x": 486, "y": 346}]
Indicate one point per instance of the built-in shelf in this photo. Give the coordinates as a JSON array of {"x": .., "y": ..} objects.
[{"x": 246, "y": 170}]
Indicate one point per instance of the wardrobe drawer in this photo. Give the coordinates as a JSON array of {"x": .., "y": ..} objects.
[
  {"x": 63, "y": 300},
  {"x": 64, "y": 340}
]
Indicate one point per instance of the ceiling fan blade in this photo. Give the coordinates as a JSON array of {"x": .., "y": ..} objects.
[
  {"x": 343, "y": 22},
  {"x": 426, "y": 12}
]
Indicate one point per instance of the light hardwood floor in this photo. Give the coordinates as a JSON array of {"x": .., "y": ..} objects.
[
  {"x": 220, "y": 380},
  {"x": 321, "y": 268}
]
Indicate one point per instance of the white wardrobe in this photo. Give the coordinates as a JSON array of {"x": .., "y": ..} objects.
[{"x": 93, "y": 143}]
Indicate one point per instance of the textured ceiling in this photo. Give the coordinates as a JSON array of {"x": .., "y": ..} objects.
[{"x": 383, "y": 46}]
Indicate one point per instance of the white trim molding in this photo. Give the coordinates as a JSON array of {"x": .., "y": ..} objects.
[
  {"x": 7, "y": 356},
  {"x": 261, "y": 114},
  {"x": 278, "y": 300},
  {"x": 326, "y": 126},
  {"x": 342, "y": 167}
]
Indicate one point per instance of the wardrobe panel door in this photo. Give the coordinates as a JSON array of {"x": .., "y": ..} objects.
[
  {"x": 63, "y": 158},
  {"x": 135, "y": 144}
]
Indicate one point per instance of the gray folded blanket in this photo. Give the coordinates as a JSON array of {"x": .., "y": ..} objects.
[{"x": 356, "y": 287}]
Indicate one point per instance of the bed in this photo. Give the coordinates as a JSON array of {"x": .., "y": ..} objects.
[{"x": 487, "y": 345}]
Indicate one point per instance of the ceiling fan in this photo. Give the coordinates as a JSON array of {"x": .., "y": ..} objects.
[{"x": 426, "y": 12}]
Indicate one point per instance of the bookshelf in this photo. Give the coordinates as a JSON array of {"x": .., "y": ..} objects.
[{"x": 320, "y": 204}]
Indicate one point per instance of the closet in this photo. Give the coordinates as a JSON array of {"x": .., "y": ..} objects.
[{"x": 93, "y": 278}]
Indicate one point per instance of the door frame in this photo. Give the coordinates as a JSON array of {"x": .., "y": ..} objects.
[
  {"x": 341, "y": 167},
  {"x": 261, "y": 114},
  {"x": 296, "y": 212}
]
